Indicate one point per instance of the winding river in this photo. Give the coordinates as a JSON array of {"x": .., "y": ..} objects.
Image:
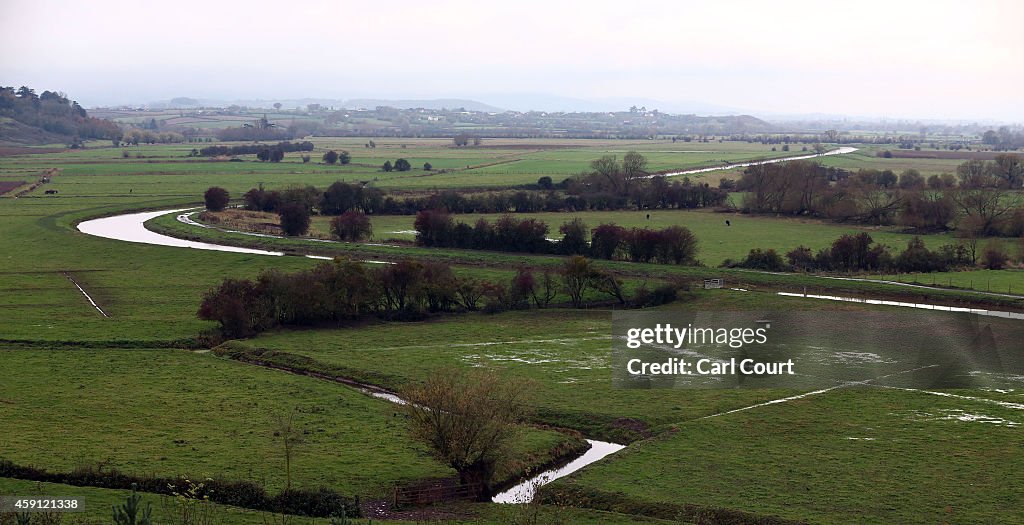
[{"x": 131, "y": 228}]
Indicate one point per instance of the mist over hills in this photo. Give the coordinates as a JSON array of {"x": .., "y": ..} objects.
[
  {"x": 542, "y": 102},
  {"x": 495, "y": 103}
]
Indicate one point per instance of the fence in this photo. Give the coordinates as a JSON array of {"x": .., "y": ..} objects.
[
  {"x": 713, "y": 283},
  {"x": 418, "y": 496}
]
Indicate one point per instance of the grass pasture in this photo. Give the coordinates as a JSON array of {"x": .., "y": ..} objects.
[
  {"x": 846, "y": 456},
  {"x": 130, "y": 392},
  {"x": 196, "y": 415}
]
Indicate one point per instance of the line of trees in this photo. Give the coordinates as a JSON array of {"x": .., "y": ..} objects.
[
  {"x": 983, "y": 199},
  {"x": 672, "y": 245},
  {"x": 342, "y": 290},
  {"x": 340, "y": 197},
  {"x": 136, "y": 136},
  {"x": 859, "y": 253},
  {"x": 250, "y": 149},
  {"x": 615, "y": 184}
]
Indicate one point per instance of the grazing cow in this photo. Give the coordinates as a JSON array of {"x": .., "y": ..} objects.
[
  {"x": 50, "y": 192},
  {"x": 727, "y": 223},
  {"x": 648, "y": 216}
]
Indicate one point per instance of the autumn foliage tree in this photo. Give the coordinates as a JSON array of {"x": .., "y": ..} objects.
[{"x": 352, "y": 226}]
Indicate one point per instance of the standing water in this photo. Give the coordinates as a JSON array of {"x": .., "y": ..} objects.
[{"x": 524, "y": 492}]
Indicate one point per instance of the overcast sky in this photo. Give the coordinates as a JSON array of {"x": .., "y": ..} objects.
[{"x": 928, "y": 59}]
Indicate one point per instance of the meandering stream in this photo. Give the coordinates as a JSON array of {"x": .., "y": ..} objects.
[{"x": 131, "y": 228}]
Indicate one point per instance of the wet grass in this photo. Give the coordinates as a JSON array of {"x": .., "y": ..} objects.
[
  {"x": 68, "y": 398},
  {"x": 172, "y": 412},
  {"x": 566, "y": 354},
  {"x": 847, "y": 456}
]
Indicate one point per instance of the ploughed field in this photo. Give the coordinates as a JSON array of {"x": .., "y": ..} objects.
[{"x": 130, "y": 392}]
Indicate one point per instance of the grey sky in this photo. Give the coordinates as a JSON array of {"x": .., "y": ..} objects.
[{"x": 930, "y": 59}]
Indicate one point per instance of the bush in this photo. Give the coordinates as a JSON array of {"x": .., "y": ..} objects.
[
  {"x": 605, "y": 240},
  {"x": 574, "y": 238},
  {"x": 330, "y": 157},
  {"x": 216, "y": 198},
  {"x": 294, "y": 219},
  {"x": 321, "y": 502},
  {"x": 258, "y": 199},
  {"x": 994, "y": 257},
  {"x": 918, "y": 258},
  {"x": 352, "y": 226},
  {"x": 232, "y": 304},
  {"x": 801, "y": 258},
  {"x": 758, "y": 259}
]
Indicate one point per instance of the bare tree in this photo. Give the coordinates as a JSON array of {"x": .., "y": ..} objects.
[
  {"x": 634, "y": 166},
  {"x": 290, "y": 437},
  {"x": 576, "y": 276},
  {"x": 545, "y": 291},
  {"x": 469, "y": 419},
  {"x": 607, "y": 168},
  {"x": 984, "y": 207}
]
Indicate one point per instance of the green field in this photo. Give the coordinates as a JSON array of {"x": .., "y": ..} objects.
[
  {"x": 846, "y": 456},
  {"x": 195, "y": 415},
  {"x": 137, "y": 391},
  {"x": 565, "y": 354}
]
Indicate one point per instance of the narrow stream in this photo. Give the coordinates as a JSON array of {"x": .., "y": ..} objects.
[
  {"x": 524, "y": 491},
  {"x": 131, "y": 228}
]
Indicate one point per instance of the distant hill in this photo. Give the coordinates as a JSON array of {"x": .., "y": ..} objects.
[
  {"x": 437, "y": 103},
  {"x": 48, "y": 118},
  {"x": 13, "y": 132},
  {"x": 184, "y": 102}
]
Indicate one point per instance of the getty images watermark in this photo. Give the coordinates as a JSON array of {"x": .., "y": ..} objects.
[
  {"x": 688, "y": 336},
  {"x": 814, "y": 349}
]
